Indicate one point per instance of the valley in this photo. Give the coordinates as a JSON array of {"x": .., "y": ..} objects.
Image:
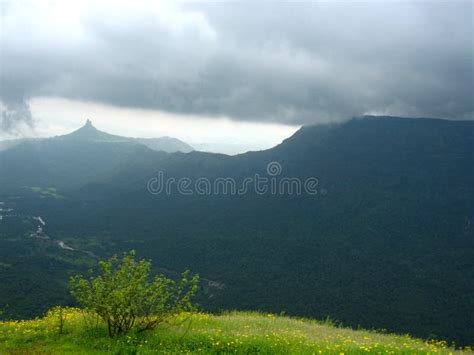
[{"x": 390, "y": 224}]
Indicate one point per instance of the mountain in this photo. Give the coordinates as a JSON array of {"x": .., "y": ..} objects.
[
  {"x": 386, "y": 241},
  {"x": 9, "y": 143},
  {"x": 74, "y": 159},
  {"x": 89, "y": 134}
]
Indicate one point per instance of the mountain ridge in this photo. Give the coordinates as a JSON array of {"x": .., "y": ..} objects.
[{"x": 89, "y": 133}]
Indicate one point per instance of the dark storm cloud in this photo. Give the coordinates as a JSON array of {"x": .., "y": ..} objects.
[{"x": 281, "y": 62}]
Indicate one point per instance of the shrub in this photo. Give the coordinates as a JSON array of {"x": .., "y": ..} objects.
[{"x": 124, "y": 297}]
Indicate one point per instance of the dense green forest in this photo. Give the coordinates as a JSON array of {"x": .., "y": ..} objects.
[{"x": 387, "y": 242}]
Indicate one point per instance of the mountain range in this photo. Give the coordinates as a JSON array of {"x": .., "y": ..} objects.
[
  {"x": 383, "y": 239},
  {"x": 88, "y": 133},
  {"x": 73, "y": 159}
]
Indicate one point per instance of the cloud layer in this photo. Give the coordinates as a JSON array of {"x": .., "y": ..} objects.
[{"x": 295, "y": 63}]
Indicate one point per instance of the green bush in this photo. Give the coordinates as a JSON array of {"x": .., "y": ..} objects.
[{"x": 124, "y": 298}]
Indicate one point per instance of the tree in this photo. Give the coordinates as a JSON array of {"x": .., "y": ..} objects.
[{"x": 124, "y": 297}]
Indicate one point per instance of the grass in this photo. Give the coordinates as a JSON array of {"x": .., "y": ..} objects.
[{"x": 235, "y": 332}]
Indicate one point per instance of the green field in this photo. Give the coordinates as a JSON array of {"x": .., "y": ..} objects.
[{"x": 235, "y": 332}]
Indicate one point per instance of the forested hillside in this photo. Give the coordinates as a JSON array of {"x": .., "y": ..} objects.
[{"x": 386, "y": 242}]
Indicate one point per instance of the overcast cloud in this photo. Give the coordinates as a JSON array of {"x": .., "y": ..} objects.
[{"x": 292, "y": 63}]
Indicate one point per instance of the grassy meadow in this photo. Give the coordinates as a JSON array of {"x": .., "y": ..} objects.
[{"x": 201, "y": 333}]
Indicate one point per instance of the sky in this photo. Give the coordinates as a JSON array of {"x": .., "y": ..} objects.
[{"x": 232, "y": 75}]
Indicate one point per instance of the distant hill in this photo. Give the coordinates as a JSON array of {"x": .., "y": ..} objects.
[
  {"x": 387, "y": 241},
  {"x": 72, "y": 160},
  {"x": 88, "y": 133}
]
